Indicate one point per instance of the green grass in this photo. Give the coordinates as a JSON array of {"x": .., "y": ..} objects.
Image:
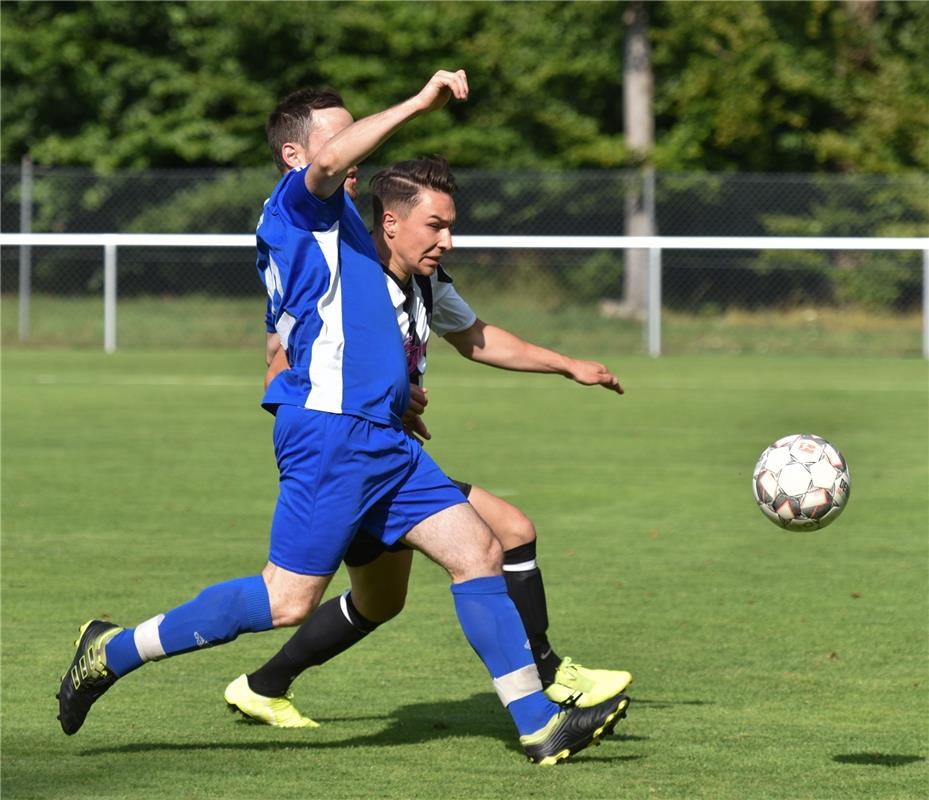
[
  {"x": 767, "y": 665},
  {"x": 197, "y": 321}
]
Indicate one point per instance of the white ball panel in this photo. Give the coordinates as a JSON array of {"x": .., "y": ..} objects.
[
  {"x": 794, "y": 479},
  {"x": 823, "y": 474},
  {"x": 777, "y": 458}
]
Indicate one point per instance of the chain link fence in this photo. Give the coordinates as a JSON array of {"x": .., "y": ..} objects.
[{"x": 727, "y": 301}]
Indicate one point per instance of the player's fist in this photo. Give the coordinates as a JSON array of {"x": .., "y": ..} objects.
[{"x": 443, "y": 85}]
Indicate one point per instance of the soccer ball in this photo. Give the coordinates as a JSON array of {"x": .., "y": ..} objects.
[{"x": 801, "y": 482}]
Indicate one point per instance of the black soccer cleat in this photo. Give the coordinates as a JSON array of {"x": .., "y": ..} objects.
[
  {"x": 87, "y": 678},
  {"x": 572, "y": 729}
]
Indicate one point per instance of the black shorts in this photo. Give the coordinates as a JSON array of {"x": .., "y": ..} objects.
[{"x": 365, "y": 548}]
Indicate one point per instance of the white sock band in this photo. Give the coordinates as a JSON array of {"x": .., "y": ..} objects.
[
  {"x": 343, "y": 604},
  {"x": 147, "y": 640},
  {"x": 522, "y": 566},
  {"x": 518, "y": 684}
]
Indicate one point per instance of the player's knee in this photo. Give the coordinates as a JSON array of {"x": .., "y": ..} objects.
[
  {"x": 292, "y": 596},
  {"x": 487, "y": 555},
  {"x": 289, "y": 612},
  {"x": 290, "y": 608},
  {"x": 515, "y": 530}
]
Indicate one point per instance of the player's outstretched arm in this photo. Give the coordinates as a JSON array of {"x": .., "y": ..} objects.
[
  {"x": 356, "y": 142},
  {"x": 496, "y": 347}
]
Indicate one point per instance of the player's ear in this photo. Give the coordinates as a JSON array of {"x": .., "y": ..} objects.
[
  {"x": 292, "y": 154},
  {"x": 389, "y": 223}
]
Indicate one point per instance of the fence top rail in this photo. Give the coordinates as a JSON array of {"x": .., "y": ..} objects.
[{"x": 495, "y": 242}]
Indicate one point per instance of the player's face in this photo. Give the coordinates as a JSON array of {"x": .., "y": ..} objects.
[
  {"x": 327, "y": 122},
  {"x": 424, "y": 236}
]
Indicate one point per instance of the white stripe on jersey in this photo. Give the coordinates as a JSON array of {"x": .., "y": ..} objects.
[
  {"x": 273, "y": 284},
  {"x": 283, "y": 327},
  {"x": 329, "y": 347}
]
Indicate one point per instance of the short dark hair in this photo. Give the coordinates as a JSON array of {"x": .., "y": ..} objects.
[
  {"x": 398, "y": 187},
  {"x": 292, "y": 119}
]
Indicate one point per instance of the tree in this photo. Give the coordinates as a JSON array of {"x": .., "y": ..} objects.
[{"x": 639, "y": 130}]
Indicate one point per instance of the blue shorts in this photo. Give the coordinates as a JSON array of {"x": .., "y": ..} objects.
[
  {"x": 340, "y": 473},
  {"x": 365, "y": 548}
]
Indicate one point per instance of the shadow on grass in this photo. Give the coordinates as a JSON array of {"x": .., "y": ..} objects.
[
  {"x": 640, "y": 701},
  {"x": 479, "y": 716},
  {"x": 877, "y": 759}
]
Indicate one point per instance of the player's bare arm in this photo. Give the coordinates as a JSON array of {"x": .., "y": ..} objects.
[
  {"x": 496, "y": 347},
  {"x": 272, "y": 345},
  {"x": 356, "y": 142},
  {"x": 277, "y": 365}
]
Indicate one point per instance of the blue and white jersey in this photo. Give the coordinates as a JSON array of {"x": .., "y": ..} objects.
[
  {"x": 328, "y": 302},
  {"x": 424, "y": 304}
]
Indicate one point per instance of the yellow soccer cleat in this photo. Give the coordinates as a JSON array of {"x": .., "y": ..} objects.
[
  {"x": 590, "y": 686},
  {"x": 277, "y": 711}
]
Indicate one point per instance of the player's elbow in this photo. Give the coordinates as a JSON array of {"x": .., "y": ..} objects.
[{"x": 327, "y": 164}]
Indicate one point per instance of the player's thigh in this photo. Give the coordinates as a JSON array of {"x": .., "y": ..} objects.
[
  {"x": 379, "y": 587},
  {"x": 510, "y": 525},
  {"x": 333, "y": 468},
  {"x": 421, "y": 491},
  {"x": 457, "y": 539},
  {"x": 292, "y": 596}
]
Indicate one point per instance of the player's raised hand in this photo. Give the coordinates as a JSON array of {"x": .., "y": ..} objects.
[
  {"x": 593, "y": 373},
  {"x": 443, "y": 85}
]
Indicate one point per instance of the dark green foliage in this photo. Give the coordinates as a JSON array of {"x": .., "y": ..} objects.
[{"x": 753, "y": 86}]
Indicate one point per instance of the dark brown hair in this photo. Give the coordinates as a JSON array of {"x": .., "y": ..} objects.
[
  {"x": 398, "y": 187},
  {"x": 292, "y": 119}
]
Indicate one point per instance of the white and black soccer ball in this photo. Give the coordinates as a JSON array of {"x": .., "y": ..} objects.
[{"x": 801, "y": 482}]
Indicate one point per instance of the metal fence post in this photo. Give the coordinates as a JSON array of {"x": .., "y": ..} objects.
[
  {"x": 653, "y": 318},
  {"x": 926, "y": 304},
  {"x": 25, "y": 250},
  {"x": 109, "y": 297}
]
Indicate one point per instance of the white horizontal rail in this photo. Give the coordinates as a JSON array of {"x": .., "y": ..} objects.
[
  {"x": 497, "y": 242},
  {"x": 111, "y": 241}
]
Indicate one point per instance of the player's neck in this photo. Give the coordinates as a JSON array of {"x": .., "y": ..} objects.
[{"x": 397, "y": 273}]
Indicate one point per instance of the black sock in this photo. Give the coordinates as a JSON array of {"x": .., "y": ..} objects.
[
  {"x": 524, "y": 585},
  {"x": 326, "y": 633}
]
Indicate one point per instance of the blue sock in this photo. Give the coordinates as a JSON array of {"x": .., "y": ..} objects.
[
  {"x": 492, "y": 626},
  {"x": 215, "y": 616}
]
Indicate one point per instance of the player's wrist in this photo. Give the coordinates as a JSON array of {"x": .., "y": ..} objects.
[{"x": 414, "y": 106}]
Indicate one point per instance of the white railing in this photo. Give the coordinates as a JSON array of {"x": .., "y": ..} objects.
[{"x": 110, "y": 242}]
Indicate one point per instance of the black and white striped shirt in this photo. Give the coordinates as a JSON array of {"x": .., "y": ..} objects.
[{"x": 423, "y": 304}]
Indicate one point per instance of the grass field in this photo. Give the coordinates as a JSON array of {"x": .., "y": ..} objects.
[
  {"x": 198, "y": 321},
  {"x": 767, "y": 665}
]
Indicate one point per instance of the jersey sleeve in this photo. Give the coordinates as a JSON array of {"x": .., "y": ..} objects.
[
  {"x": 450, "y": 313},
  {"x": 302, "y": 209}
]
